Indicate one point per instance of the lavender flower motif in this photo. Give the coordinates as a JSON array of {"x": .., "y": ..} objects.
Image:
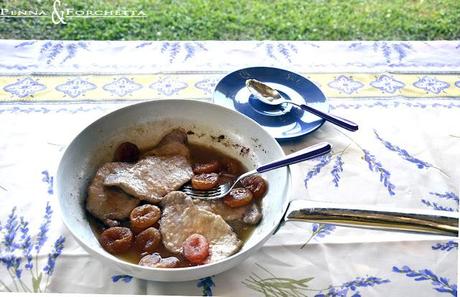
[
  {"x": 42, "y": 235},
  {"x": 124, "y": 277},
  {"x": 16, "y": 252},
  {"x": 322, "y": 230},
  {"x": 76, "y": 87},
  {"x": 24, "y": 87},
  {"x": 431, "y": 84},
  {"x": 206, "y": 85},
  {"x": 167, "y": 86},
  {"x": 346, "y": 84},
  {"x": 11, "y": 227},
  {"x": 376, "y": 166},
  {"x": 122, "y": 87},
  {"x": 387, "y": 84},
  {"x": 319, "y": 230},
  {"x": 58, "y": 247},
  {"x": 26, "y": 243},
  {"x": 272, "y": 285},
  {"x": 352, "y": 287},
  {"x": 336, "y": 170},
  {"x": 25, "y": 43},
  {"x": 436, "y": 206},
  {"x": 323, "y": 161},
  {"x": 403, "y": 153},
  {"x": 50, "y": 50},
  {"x": 173, "y": 49},
  {"x": 440, "y": 284},
  {"x": 447, "y": 195},
  {"x": 143, "y": 44},
  {"x": 49, "y": 180},
  {"x": 72, "y": 49},
  {"x": 457, "y": 83},
  {"x": 282, "y": 50},
  {"x": 450, "y": 245},
  {"x": 206, "y": 284}
]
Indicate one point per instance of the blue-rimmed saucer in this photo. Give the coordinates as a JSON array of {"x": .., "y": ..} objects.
[{"x": 282, "y": 122}]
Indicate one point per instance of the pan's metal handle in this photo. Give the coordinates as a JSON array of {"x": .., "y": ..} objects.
[{"x": 430, "y": 222}]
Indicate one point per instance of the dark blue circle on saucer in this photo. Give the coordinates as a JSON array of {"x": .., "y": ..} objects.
[{"x": 281, "y": 121}]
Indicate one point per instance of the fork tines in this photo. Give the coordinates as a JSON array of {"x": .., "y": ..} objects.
[{"x": 187, "y": 189}]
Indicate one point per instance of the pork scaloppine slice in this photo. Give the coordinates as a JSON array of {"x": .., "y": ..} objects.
[
  {"x": 152, "y": 178},
  {"x": 249, "y": 214},
  {"x": 182, "y": 218},
  {"x": 109, "y": 203}
]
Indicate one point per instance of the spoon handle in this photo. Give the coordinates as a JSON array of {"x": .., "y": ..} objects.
[{"x": 346, "y": 124}]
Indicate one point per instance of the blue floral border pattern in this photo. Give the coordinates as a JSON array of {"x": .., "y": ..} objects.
[
  {"x": 168, "y": 86},
  {"x": 122, "y": 86},
  {"x": 346, "y": 84},
  {"x": 387, "y": 84},
  {"x": 24, "y": 87},
  {"x": 431, "y": 85},
  {"x": 76, "y": 87}
]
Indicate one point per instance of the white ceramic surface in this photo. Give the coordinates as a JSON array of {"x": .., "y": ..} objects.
[{"x": 145, "y": 124}]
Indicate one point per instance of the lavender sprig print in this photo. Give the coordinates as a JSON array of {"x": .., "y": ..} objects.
[
  {"x": 403, "y": 153},
  {"x": 352, "y": 287},
  {"x": 206, "y": 284},
  {"x": 16, "y": 252},
  {"x": 447, "y": 246},
  {"x": 26, "y": 244},
  {"x": 123, "y": 277},
  {"x": 447, "y": 195},
  {"x": 44, "y": 227},
  {"x": 436, "y": 206},
  {"x": 323, "y": 161},
  {"x": 272, "y": 285},
  {"x": 49, "y": 180},
  {"x": 376, "y": 166},
  {"x": 336, "y": 170},
  {"x": 319, "y": 230},
  {"x": 440, "y": 284}
]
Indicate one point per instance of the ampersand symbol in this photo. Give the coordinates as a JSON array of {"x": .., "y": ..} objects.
[{"x": 58, "y": 15}]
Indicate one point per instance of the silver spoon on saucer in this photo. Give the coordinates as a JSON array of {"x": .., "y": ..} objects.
[{"x": 271, "y": 96}]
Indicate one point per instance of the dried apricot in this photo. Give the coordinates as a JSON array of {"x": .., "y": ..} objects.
[
  {"x": 205, "y": 181},
  {"x": 116, "y": 240},
  {"x": 148, "y": 240},
  {"x": 144, "y": 216},
  {"x": 196, "y": 248},
  {"x": 127, "y": 152},
  {"x": 256, "y": 184},
  {"x": 238, "y": 197},
  {"x": 209, "y": 167},
  {"x": 231, "y": 166}
]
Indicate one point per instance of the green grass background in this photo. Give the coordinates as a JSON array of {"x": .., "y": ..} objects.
[{"x": 245, "y": 20}]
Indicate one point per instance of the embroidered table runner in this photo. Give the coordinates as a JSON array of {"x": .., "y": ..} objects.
[{"x": 404, "y": 95}]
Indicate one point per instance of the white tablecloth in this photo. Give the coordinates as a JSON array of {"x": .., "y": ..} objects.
[{"x": 404, "y": 95}]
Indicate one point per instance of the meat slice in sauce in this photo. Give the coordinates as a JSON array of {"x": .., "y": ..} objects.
[
  {"x": 109, "y": 203},
  {"x": 182, "y": 218},
  {"x": 152, "y": 177},
  {"x": 173, "y": 143},
  {"x": 248, "y": 214}
]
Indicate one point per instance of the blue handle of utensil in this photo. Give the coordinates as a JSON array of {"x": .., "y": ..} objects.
[
  {"x": 346, "y": 124},
  {"x": 302, "y": 155}
]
